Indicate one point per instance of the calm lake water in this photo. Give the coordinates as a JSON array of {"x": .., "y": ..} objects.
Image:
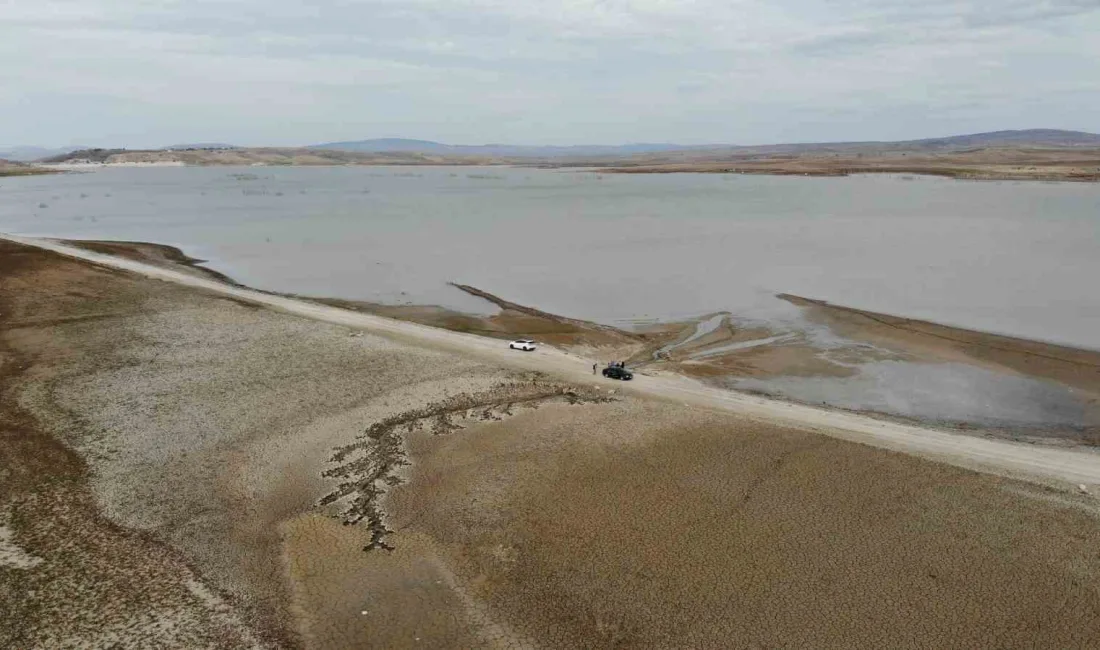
[{"x": 1015, "y": 258}]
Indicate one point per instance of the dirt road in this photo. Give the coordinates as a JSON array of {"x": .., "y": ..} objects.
[{"x": 1063, "y": 467}]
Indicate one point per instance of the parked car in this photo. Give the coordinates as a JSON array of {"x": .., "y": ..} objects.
[
  {"x": 618, "y": 372},
  {"x": 527, "y": 345}
]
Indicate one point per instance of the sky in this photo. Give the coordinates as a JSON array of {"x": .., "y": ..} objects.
[{"x": 294, "y": 72}]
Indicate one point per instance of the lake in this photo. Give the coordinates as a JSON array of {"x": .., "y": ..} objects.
[{"x": 1014, "y": 258}]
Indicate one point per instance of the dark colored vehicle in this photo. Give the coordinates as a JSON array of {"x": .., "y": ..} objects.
[{"x": 618, "y": 372}]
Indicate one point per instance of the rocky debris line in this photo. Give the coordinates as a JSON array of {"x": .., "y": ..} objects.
[{"x": 367, "y": 467}]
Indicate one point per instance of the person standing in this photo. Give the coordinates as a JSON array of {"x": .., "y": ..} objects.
[{"x": 594, "y": 368}]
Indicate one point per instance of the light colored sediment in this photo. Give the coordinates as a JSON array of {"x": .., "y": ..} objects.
[
  {"x": 1074, "y": 367},
  {"x": 1064, "y": 466},
  {"x": 204, "y": 423}
]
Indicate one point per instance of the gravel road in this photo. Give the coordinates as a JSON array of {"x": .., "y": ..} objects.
[{"x": 1055, "y": 466}]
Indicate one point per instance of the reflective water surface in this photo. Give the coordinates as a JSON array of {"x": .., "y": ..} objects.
[
  {"x": 948, "y": 392},
  {"x": 1015, "y": 258}
]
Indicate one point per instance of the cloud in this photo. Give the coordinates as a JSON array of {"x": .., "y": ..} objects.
[{"x": 296, "y": 71}]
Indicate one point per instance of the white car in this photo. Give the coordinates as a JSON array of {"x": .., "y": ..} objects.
[{"x": 527, "y": 345}]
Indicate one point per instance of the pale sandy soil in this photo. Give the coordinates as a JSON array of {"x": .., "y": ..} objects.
[{"x": 166, "y": 444}]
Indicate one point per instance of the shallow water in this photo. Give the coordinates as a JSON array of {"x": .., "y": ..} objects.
[
  {"x": 742, "y": 345},
  {"x": 702, "y": 328},
  {"x": 946, "y": 392},
  {"x": 1014, "y": 258}
]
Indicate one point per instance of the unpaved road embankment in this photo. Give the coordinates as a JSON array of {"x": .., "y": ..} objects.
[{"x": 1061, "y": 466}]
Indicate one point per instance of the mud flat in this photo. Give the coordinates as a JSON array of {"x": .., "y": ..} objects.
[
  {"x": 932, "y": 341},
  {"x": 182, "y": 469},
  {"x": 884, "y": 365}
]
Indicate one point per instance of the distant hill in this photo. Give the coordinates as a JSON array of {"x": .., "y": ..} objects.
[
  {"x": 1030, "y": 137},
  {"x": 89, "y": 155},
  {"x": 381, "y": 145},
  {"x": 1034, "y": 138},
  {"x": 200, "y": 146},
  {"x": 386, "y": 144},
  {"x": 1039, "y": 154}
]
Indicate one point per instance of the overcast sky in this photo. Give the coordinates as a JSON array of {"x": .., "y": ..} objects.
[{"x": 284, "y": 72}]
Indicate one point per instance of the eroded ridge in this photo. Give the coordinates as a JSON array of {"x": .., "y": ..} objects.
[{"x": 367, "y": 467}]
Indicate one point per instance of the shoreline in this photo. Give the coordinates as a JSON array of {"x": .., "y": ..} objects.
[
  {"x": 24, "y": 170},
  {"x": 163, "y": 255},
  {"x": 177, "y": 442},
  {"x": 1041, "y": 171},
  {"x": 977, "y": 174},
  {"x": 911, "y": 339},
  {"x": 983, "y": 164}
]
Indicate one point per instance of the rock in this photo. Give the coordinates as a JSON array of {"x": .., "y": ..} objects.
[{"x": 1084, "y": 488}]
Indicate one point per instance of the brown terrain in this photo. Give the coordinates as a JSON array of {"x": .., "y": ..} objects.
[
  {"x": 9, "y": 168},
  {"x": 260, "y": 156},
  {"x": 1028, "y": 155},
  {"x": 180, "y": 469},
  {"x": 994, "y": 163},
  {"x": 733, "y": 350}
]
